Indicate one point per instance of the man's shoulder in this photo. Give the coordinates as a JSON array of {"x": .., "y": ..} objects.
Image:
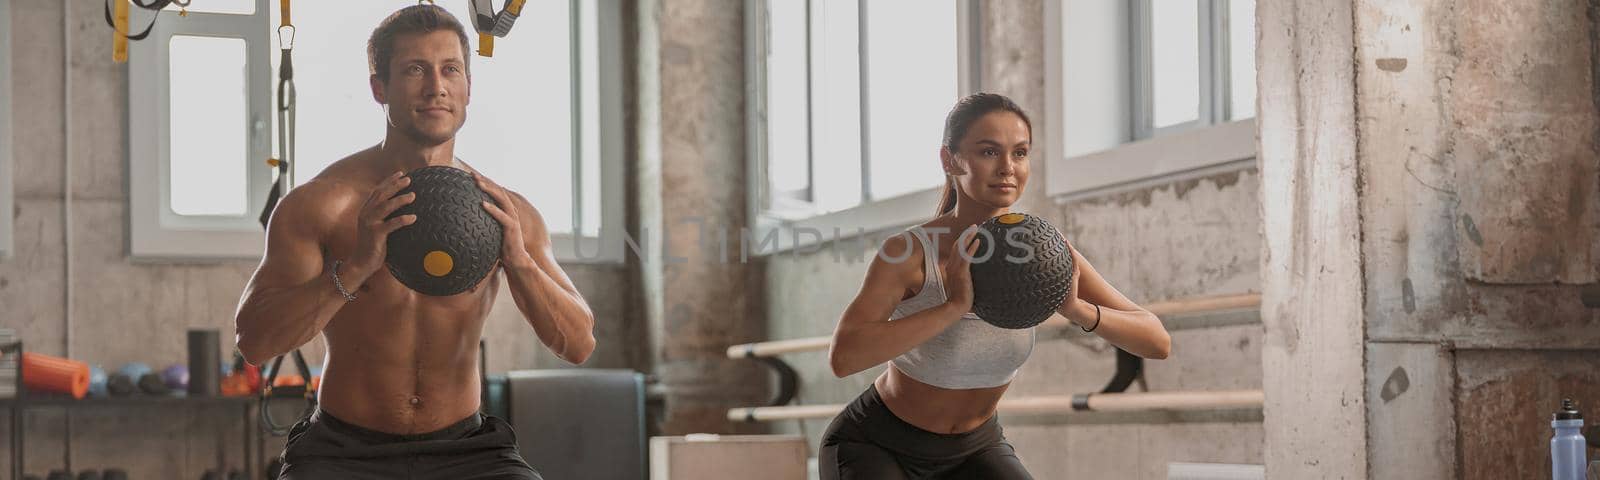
[
  {"x": 322, "y": 191},
  {"x": 314, "y": 205},
  {"x": 354, "y": 170},
  {"x": 324, "y": 198}
]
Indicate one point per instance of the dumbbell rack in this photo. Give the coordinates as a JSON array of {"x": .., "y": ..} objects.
[{"x": 19, "y": 404}]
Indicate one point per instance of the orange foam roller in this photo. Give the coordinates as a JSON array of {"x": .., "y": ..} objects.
[{"x": 55, "y": 374}]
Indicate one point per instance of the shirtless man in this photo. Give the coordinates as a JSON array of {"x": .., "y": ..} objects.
[{"x": 400, "y": 391}]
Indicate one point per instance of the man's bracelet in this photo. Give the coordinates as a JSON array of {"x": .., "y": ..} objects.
[{"x": 348, "y": 297}]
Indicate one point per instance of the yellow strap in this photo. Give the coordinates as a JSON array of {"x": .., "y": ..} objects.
[
  {"x": 284, "y": 5},
  {"x": 485, "y": 44},
  {"x": 515, "y": 7},
  {"x": 119, "y": 45}
]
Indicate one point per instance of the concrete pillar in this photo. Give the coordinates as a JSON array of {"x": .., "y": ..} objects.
[
  {"x": 1312, "y": 288},
  {"x": 699, "y": 300},
  {"x": 1478, "y": 168},
  {"x": 1431, "y": 203},
  {"x": 1012, "y": 63},
  {"x": 1523, "y": 106}
]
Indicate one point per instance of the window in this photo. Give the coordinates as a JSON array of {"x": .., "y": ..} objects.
[
  {"x": 849, "y": 102},
  {"x": 199, "y": 132},
  {"x": 1192, "y": 68},
  {"x": 1147, "y": 92},
  {"x": 541, "y": 121},
  {"x": 6, "y": 209}
]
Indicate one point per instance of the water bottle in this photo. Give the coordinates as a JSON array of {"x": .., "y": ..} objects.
[{"x": 1567, "y": 460}]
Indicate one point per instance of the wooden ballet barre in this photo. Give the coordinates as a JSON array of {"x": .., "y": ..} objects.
[
  {"x": 776, "y": 347},
  {"x": 1126, "y": 402},
  {"x": 1186, "y": 306},
  {"x": 795, "y": 412},
  {"x": 1098, "y": 402}
]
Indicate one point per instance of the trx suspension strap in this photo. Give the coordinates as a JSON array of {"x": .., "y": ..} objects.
[
  {"x": 119, "y": 44},
  {"x": 117, "y": 18},
  {"x": 286, "y": 128},
  {"x": 490, "y": 24},
  {"x": 286, "y": 110},
  {"x": 268, "y": 392}
]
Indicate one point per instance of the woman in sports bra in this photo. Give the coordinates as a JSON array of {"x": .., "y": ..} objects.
[{"x": 931, "y": 414}]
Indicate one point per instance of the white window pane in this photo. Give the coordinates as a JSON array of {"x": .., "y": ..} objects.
[
  {"x": 241, "y": 7},
  {"x": 836, "y": 103},
  {"x": 911, "y": 85},
  {"x": 1175, "y": 61},
  {"x": 209, "y": 141},
  {"x": 335, "y": 113},
  {"x": 519, "y": 123},
  {"x": 1242, "y": 58},
  {"x": 788, "y": 149},
  {"x": 519, "y": 126}
]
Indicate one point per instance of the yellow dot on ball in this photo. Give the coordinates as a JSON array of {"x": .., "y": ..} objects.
[
  {"x": 1012, "y": 218},
  {"x": 438, "y": 263}
]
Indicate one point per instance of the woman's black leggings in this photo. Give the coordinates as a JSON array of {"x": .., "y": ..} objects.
[{"x": 867, "y": 441}]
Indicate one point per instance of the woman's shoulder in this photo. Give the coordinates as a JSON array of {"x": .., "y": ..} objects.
[
  {"x": 903, "y": 243},
  {"x": 902, "y": 254}
]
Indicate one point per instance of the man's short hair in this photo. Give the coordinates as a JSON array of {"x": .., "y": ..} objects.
[{"x": 415, "y": 19}]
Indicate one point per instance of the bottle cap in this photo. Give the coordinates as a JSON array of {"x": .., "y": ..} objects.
[{"x": 1568, "y": 411}]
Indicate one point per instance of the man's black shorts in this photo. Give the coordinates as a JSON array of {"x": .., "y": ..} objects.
[{"x": 480, "y": 447}]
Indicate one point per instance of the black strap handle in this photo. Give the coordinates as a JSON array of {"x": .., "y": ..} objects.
[
  {"x": 268, "y": 392},
  {"x": 156, "y": 5}
]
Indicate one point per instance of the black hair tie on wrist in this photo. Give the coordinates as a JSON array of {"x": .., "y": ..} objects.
[{"x": 1096, "y": 320}]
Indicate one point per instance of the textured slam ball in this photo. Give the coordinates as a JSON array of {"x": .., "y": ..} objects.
[
  {"x": 454, "y": 242},
  {"x": 1022, "y": 271}
]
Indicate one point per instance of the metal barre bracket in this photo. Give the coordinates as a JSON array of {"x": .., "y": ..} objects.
[{"x": 788, "y": 380}]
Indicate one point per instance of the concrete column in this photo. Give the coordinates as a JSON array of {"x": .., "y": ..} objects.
[
  {"x": 1312, "y": 357},
  {"x": 1430, "y": 186},
  {"x": 1011, "y": 38},
  {"x": 1476, "y": 148},
  {"x": 699, "y": 299},
  {"x": 1523, "y": 105}
]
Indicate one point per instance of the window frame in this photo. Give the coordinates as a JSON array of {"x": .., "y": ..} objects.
[
  {"x": 1092, "y": 158},
  {"x": 159, "y": 235},
  {"x": 784, "y": 221},
  {"x": 7, "y": 197},
  {"x": 156, "y": 232},
  {"x": 1213, "y": 54},
  {"x": 607, "y": 140}
]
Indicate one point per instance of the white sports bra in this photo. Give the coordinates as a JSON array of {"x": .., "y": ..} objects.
[{"x": 970, "y": 353}]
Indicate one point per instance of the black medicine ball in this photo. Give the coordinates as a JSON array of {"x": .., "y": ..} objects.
[
  {"x": 453, "y": 243},
  {"x": 1022, "y": 271}
]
